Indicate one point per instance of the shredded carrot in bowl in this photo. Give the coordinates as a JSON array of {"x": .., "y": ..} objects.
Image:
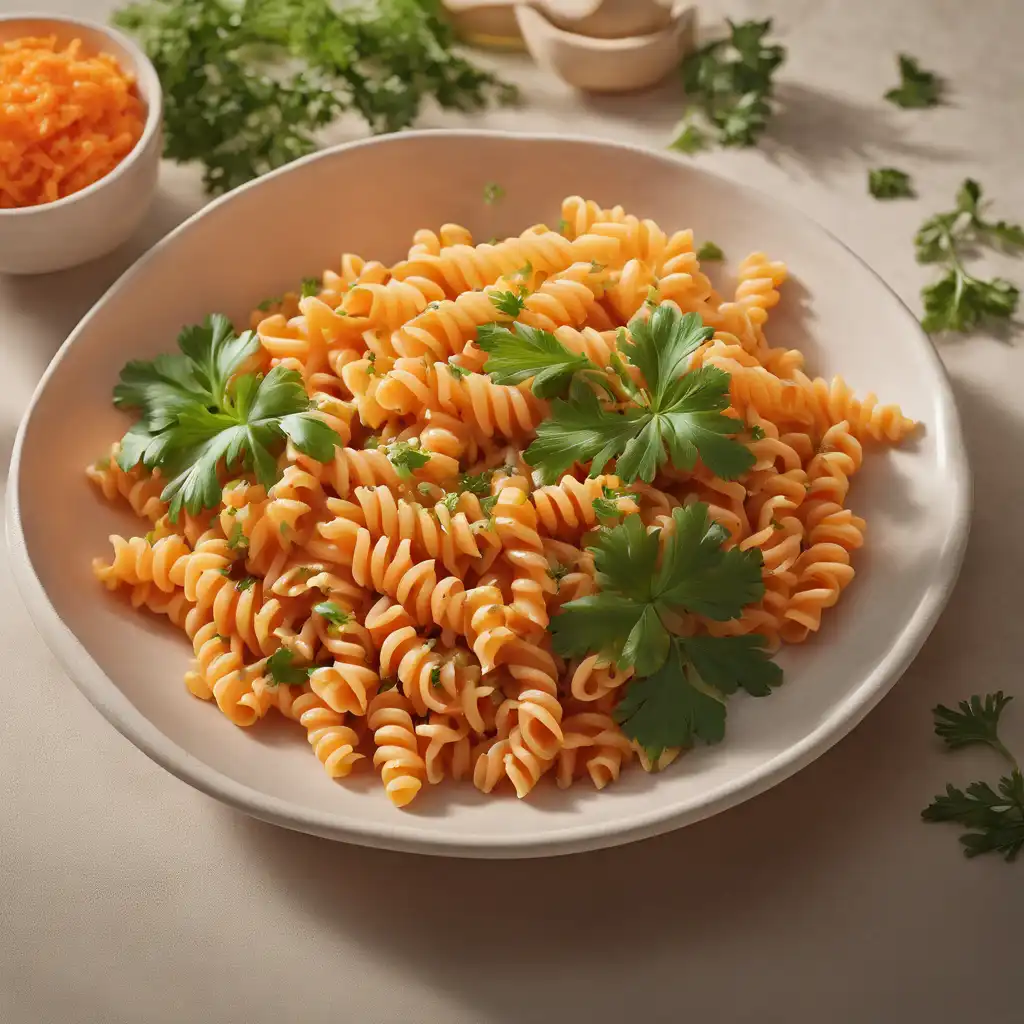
[{"x": 66, "y": 120}]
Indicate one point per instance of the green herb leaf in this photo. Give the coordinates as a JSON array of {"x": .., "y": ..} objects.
[
  {"x": 680, "y": 413},
  {"x": 694, "y": 574},
  {"x": 245, "y": 583},
  {"x": 975, "y": 722},
  {"x": 890, "y": 183},
  {"x": 450, "y": 502},
  {"x": 730, "y": 82},
  {"x": 995, "y": 819},
  {"x": 406, "y": 458},
  {"x": 282, "y": 670},
  {"x": 310, "y": 286},
  {"x": 959, "y": 302},
  {"x": 667, "y": 709},
  {"x": 493, "y": 192},
  {"x": 333, "y": 613},
  {"x": 197, "y": 413},
  {"x": 516, "y": 355},
  {"x": 458, "y": 372},
  {"x": 918, "y": 88},
  {"x": 607, "y": 506},
  {"x": 488, "y": 503},
  {"x": 265, "y": 305},
  {"x": 435, "y": 676},
  {"x": 729, "y": 663},
  {"x": 477, "y": 483},
  {"x": 710, "y": 253},
  {"x": 510, "y": 304}
]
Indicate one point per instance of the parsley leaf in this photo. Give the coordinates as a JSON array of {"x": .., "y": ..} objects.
[
  {"x": 509, "y": 303},
  {"x": 516, "y": 355},
  {"x": 667, "y": 709},
  {"x": 558, "y": 572},
  {"x": 694, "y": 574},
  {"x": 458, "y": 372},
  {"x": 679, "y": 414},
  {"x": 406, "y": 458},
  {"x": 450, "y": 502},
  {"x": 975, "y": 723},
  {"x": 435, "y": 676},
  {"x": 710, "y": 253},
  {"x": 477, "y": 483},
  {"x": 730, "y": 82},
  {"x": 493, "y": 192},
  {"x": 310, "y": 286},
  {"x": 265, "y": 305},
  {"x": 198, "y": 413},
  {"x": 918, "y": 88},
  {"x": 332, "y": 612},
  {"x": 958, "y": 301},
  {"x": 729, "y": 663},
  {"x": 488, "y": 503},
  {"x": 606, "y": 507},
  {"x": 890, "y": 183},
  {"x": 245, "y": 583},
  {"x": 282, "y": 671},
  {"x": 995, "y": 819},
  {"x": 237, "y": 539}
]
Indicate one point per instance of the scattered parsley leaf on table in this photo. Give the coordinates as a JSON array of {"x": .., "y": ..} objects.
[
  {"x": 677, "y": 414},
  {"x": 730, "y": 84},
  {"x": 958, "y": 301},
  {"x": 994, "y": 817},
  {"x": 710, "y": 253},
  {"x": 198, "y": 414},
  {"x": 890, "y": 183},
  {"x": 918, "y": 88}
]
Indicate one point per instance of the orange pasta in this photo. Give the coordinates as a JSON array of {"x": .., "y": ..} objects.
[{"x": 66, "y": 120}]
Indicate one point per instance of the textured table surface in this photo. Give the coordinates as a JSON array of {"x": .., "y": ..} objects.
[{"x": 127, "y": 897}]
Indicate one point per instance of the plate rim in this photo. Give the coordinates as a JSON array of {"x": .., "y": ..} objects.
[{"x": 408, "y": 835}]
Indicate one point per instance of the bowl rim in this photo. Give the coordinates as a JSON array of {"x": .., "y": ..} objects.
[
  {"x": 405, "y": 834},
  {"x": 150, "y": 91}
]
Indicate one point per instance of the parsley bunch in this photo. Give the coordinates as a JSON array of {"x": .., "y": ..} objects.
[
  {"x": 959, "y": 301},
  {"x": 676, "y": 415},
  {"x": 994, "y": 817},
  {"x": 677, "y": 694},
  {"x": 248, "y": 83},
  {"x": 199, "y": 413},
  {"x": 730, "y": 83}
]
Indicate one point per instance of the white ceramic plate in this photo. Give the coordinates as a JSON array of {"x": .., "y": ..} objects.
[{"x": 369, "y": 198}]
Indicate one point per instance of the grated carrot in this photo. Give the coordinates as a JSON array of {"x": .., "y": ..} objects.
[{"x": 66, "y": 120}]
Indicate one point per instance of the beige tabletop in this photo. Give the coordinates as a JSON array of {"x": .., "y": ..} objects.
[{"x": 127, "y": 897}]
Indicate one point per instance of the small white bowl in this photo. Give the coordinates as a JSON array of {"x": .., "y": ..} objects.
[
  {"x": 599, "y": 65},
  {"x": 96, "y": 220}
]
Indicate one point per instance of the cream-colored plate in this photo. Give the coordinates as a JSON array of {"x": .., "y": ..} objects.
[{"x": 370, "y": 197}]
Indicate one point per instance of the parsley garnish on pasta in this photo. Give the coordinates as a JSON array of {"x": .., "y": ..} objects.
[{"x": 197, "y": 413}]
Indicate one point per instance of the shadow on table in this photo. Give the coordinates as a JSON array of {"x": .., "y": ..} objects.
[{"x": 822, "y": 131}]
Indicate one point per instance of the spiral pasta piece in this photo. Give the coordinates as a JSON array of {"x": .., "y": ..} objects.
[{"x": 397, "y": 754}]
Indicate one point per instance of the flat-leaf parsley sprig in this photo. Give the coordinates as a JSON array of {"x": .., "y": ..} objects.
[
  {"x": 994, "y": 817},
  {"x": 676, "y": 415},
  {"x": 958, "y": 301},
  {"x": 677, "y": 694},
  {"x": 200, "y": 413}
]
